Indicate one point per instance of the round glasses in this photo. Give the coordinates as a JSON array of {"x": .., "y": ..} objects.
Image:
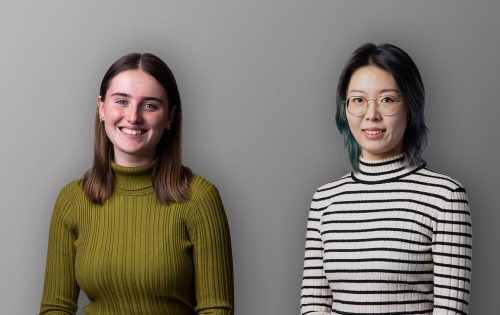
[{"x": 358, "y": 105}]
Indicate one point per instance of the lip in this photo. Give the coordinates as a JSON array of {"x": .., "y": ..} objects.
[
  {"x": 132, "y": 131},
  {"x": 373, "y": 133}
]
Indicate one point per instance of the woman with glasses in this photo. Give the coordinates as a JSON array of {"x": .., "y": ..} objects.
[
  {"x": 392, "y": 236},
  {"x": 139, "y": 233}
]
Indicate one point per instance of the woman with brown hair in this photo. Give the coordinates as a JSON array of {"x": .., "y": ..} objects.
[{"x": 139, "y": 233}]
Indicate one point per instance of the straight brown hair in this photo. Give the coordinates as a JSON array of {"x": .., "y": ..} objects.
[{"x": 170, "y": 178}]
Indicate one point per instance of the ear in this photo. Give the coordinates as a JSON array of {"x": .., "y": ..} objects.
[
  {"x": 170, "y": 118},
  {"x": 100, "y": 108}
]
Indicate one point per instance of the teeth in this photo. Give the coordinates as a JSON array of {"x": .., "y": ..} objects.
[
  {"x": 373, "y": 132},
  {"x": 133, "y": 132}
]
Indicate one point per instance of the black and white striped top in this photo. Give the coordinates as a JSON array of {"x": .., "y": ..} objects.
[{"x": 388, "y": 239}]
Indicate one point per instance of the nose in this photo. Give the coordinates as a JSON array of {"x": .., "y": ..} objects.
[
  {"x": 134, "y": 115},
  {"x": 372, "y": 112}
]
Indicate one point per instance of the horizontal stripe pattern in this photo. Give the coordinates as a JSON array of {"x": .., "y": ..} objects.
[{"x": 388, "y": 239}]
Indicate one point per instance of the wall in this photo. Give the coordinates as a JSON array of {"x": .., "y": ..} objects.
[{"x": 257, "y": 80}]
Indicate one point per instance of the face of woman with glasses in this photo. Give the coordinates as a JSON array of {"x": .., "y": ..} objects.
[{"x": 376, "y": 113}]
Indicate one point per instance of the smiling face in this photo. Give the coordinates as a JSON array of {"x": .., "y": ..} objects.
[
  {"x": 135, "y": 114},
  {"x": 379, "y": 136}
]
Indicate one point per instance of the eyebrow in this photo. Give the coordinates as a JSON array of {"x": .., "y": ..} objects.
[
  {"x": 390, "y": 90},
  {"x": 381, "y": 91},
  {"x": 147, "y": 98}
]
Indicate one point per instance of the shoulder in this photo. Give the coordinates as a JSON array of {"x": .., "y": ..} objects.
[
  {"x": 73, "y": 187},
  {"x": 432, "y": 176},
  {"x": 325, "y": 194},
  {"x": 205, "y": 206},
  {"x": 201, "y": 188},
  {"x": 454, "y": 206},
  {"x": 66, "y": 199},
  {"x": 333, "y": 186},
  {"x": 71, "y": 191}
]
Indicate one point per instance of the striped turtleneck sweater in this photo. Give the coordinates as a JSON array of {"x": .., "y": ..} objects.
[
  {"x": 388, "y": 239},
  {"x": 135, "y": 255}
]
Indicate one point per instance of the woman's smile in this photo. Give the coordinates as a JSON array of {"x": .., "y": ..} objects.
[
  {"x": 135, "y": 114},
  {"x": 131, "y": 131},
  {"x": 374, "y": 133}
]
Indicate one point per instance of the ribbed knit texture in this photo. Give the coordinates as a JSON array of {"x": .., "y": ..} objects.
[
  {"x": 389, "y": 239},
  {"x": 134, "y": 255}
]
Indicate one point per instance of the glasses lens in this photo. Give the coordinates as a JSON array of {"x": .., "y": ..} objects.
[
  {"x": 388, "y": 105},
  {"x": 356, "y": 105}
]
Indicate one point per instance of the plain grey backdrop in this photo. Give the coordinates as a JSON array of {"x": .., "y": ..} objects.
[{"x": 257, "y": 81}]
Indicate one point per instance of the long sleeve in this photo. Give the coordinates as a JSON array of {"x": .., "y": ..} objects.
[
  {"x": 60, "y": 292},
  {"x": 316, "y": 295},
  {"x": 452, "y": 256},
  {"x": 209, "y": 234}
]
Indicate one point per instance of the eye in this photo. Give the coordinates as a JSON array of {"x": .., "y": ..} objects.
[
  {"x": 387, "y": 99},
  {"x": 356, "y": 99},
  {"x": 121, "y": 102},
  {"x": 150, "y": 106}
]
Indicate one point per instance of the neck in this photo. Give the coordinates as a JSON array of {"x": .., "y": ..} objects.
[
  {"x": 383, "y": 170},
  {"x": 135, "y": 179},
  {"x": 132, "y": 160}
]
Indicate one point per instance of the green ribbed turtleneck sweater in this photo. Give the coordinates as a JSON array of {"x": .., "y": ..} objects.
[{"x": 134, "y": 255}]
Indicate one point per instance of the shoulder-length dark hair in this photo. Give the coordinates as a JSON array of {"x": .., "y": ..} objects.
[
  {"x": 170, "y": 178},
  {"x": 400, "y": 65}
]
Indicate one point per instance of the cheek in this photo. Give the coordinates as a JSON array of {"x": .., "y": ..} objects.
[
  {"x": 111, "y": 114},
  {"x": 403, "y": 122},
  {"x": 157, "y": 126},
  {"x": 110, "y": 120},
  {"x": 112, "y": 117},
  {"x": 158, "y": 122},
  {"x": 109, "y": 128},
  {"x": 399, "y": 128},
  {"x": 353, "y": 125}
]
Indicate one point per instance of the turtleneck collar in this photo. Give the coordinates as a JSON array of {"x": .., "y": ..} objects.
[
  {"x": 378, "y": 171},
  {"x": 133, "y": 180}
]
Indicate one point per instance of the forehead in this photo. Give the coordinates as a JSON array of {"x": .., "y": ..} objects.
[
  {"x": 136, "y": 83},
  {"x": 371, "y": 79}
]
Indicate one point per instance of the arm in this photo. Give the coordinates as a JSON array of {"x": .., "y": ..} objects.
[
  {"x": 209, "y": 234},
  {"x": 452, "y": 256},
  {"x": 316, "y": 295},
  {"x": 60, "y": 293}
]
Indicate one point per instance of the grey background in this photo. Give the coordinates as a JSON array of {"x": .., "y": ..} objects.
[{"x": 257, "y": 80}]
